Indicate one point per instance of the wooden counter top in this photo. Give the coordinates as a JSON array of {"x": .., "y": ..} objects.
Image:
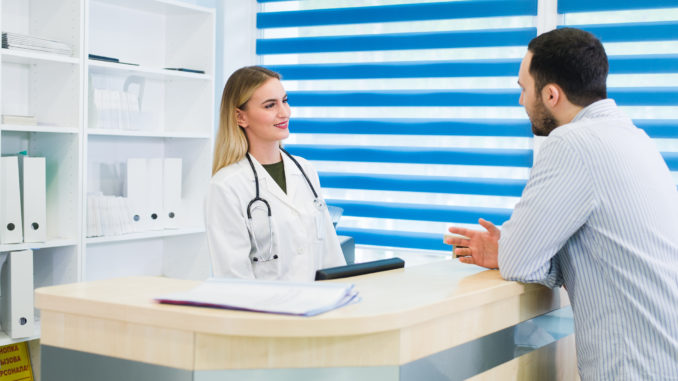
[{"x": 391, "y": 300}]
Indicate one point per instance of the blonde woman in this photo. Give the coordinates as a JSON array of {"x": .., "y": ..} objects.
[{"x": 265, "y": 216}]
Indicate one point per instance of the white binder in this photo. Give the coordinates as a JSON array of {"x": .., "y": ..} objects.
[
  {"x": 16, "y": 312},
  {"x": 171, "y": 200},
  {"x": 33, "y": 198},
  {"x": 10, "y": 201},
  {"x": 154, "y": 176},
  {"x": 137, "y": 193}
]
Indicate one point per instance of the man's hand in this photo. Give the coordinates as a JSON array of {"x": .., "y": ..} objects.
[{"x": 480, "y": 248}]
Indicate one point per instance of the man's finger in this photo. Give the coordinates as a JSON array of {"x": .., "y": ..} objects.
[
  {"x": 462, "y": 251},
  {"x": 461, "y": 231},
  {"x": 468, "y": 260},
  {"x": 488, "y": 226},
  {"x": 456, "y": 241}
]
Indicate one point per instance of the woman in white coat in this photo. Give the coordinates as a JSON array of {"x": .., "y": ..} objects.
[{"x": 265, "y": 216}]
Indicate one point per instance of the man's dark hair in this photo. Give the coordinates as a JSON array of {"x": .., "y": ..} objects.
[{"x": 573, "y": 59}]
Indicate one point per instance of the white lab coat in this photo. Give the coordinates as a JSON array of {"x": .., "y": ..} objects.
[{"x": 303, "y": 236}]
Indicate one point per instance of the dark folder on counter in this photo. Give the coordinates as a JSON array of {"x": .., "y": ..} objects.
[{"x": 359, "y": 269}]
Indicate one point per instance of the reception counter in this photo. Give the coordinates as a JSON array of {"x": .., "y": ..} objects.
[{"x": 439, "y": 321}]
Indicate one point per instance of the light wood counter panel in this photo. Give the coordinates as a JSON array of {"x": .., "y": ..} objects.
[
  {"x": 137, "y": 342},
  {"x": 404, "y": 315}
]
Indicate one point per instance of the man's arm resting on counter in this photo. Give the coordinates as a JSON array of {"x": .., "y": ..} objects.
[{"x": 556, "y": 202}]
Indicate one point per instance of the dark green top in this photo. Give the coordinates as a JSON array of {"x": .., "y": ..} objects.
[{"x": 277, "y": 171}]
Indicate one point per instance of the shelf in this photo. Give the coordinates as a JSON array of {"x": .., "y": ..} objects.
[
  {"x": 38, "y": 245},
  {"x": 30, "y": 57},
  {"x": 107, "y": 67},
  {"x": 144, "y": 235},
  {"x": 146, "y": 134},
  {"x": 165, "y": 7},
  {"x": 40, "y": 128},
  {"x": 4, "y": 340}
]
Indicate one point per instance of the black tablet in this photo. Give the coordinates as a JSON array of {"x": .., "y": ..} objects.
[{"x": 359, "y": 269}]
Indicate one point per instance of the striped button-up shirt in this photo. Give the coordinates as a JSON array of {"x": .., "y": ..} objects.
[{"x": 599, "y": 214}]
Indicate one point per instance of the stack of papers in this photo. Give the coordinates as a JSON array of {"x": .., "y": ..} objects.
[
  {"x": 22, "y": 120},
  {"x": 278, "y": 297},
  {"x": 25, "y": 42},
  {"x": 108, "y": 216},
  {"x": 117, "y": 110}
]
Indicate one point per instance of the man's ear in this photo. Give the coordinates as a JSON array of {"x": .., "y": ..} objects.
[
  {"x": 240, "y": 118},
  {"x": 551, "y": 94}
]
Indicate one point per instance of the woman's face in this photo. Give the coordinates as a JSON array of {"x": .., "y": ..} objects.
[{"x": 266, "y": 115}]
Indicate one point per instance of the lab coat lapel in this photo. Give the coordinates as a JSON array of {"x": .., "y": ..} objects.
[
  {"x": 294, "y": 179},
  {"x": 272, "y": 187}
]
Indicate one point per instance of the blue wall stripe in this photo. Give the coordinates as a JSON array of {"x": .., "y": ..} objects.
[
  {"x": 671, "y": 159},
  {"x": 634, "y": 32},
  {"x": 656, "y": 63},
  {"x": 440, "y": 127},
  {"x": 438, "y": 69},
  {"x": 655, "y": 128},
  {"x": 659, "y": 128},
  {"x": 393, "y": 238},
  {"x": 659, "y": 63},
  {"x": 431, "y": 184},
  {"x": 421, "y": 212},
  {"x": 631, "y": 96},
  {"x": 391, "y": 13},
  {"x": 490, "y": 97},
  {"x": 644, "y": 96},
  {"x": 397, "y": 41},
  {"x": 416, "y": 155},
  {"x": 565, "y": 6}
]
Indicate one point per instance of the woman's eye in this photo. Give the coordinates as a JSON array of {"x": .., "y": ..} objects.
[
  {"x": 285, "y": 100},
  {"x": 270, "y": 105}
]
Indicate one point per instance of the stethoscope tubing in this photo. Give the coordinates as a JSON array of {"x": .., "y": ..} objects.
[{"x": 257, "y": 197}]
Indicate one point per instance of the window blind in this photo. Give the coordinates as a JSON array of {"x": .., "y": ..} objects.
[
  {"x": 640, "y": 38},
  {"x": 409, "y": 110}
]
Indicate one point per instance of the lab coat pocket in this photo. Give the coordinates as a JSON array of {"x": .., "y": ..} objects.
[
  {"x": 317, "y": 250},
  {"x": 320, "y": 225},
  {"x": 268, "y": 270}
]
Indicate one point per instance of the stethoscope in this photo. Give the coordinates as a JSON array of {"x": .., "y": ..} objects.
[{"x": 316, "y": 202}]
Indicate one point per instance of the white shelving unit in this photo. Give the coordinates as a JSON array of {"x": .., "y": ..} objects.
[
  {"x": 48, "y": 87},
  {"x": 176, "y": 120}
]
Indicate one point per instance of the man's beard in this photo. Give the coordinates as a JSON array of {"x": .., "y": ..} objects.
[{"x": 543, "y": 122}]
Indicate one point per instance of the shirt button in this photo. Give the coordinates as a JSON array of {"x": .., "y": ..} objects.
[{"x": 300, "y": 251}]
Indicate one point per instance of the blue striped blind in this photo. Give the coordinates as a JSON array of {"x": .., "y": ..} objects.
[
  {"x": 409, "y": 110},
  {"x": 641, "y": 38}
]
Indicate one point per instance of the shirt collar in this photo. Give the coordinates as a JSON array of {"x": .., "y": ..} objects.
[{"x": 599, "y": 109}]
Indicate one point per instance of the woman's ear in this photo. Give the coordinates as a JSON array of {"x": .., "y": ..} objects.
[{"x": 240, "y": 118}]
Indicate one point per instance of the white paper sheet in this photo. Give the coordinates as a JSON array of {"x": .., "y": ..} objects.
[{"x": 303, "y": 299}]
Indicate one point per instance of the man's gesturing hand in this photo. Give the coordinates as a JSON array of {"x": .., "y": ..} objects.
[{"x": 480, "y": 247}]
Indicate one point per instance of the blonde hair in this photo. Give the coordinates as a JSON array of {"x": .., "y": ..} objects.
[{"x": 231, "y": 144}]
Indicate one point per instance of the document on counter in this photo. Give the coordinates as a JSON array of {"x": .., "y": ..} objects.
[{"x": 277, "y": 297}]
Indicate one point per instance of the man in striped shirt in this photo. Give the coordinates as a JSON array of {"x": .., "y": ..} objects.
[{"x": 599, "y": 215}]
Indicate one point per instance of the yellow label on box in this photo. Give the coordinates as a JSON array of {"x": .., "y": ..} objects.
[{"x": 15, "y": 363}]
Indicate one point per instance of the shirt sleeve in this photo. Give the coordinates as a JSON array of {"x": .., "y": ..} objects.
[
  {"x": 227, "y": 234},
  {"x": 556, "y": 202}
]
